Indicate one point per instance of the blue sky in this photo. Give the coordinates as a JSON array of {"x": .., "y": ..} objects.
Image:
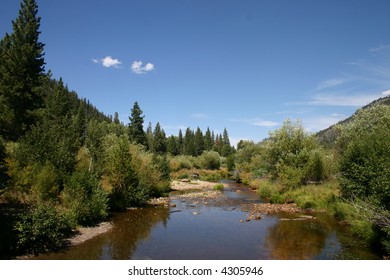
[{"x": 246, "y": 65}]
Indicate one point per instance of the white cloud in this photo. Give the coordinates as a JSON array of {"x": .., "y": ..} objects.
[
  {"x": 256, "y": 122},
  {"x": 265, "y": 123},
  {"x": 108, "y": 61},
  {"x": 342, "y": 100},
  {"x": 317, "y": 123},
  {"x": 95, "y": 60},
  {"x": 386, "y": 92},
  {"x": 137, "y": 67}
]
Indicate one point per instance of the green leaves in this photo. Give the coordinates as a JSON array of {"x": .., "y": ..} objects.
[{"x": 365, "y": 161}]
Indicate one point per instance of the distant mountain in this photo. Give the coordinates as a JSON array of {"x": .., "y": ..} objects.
[{"x": 328, "y": 136}]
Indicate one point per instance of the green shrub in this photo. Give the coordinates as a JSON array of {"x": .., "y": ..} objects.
[
  {"x": 183, "y": 176},
  {"x": 210, "y": 160},
  {"x": 85, "y": 198},
  {"x": 45, "y": 182},
  {"x": 365, "y": 151},
  {"x": 41, "y": 228},
  {"x": 218, "y": 187}
]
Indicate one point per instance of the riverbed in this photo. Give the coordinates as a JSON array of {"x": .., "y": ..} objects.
[{"x": 202, "y": 223}]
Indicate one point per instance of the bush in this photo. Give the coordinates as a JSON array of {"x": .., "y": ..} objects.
[
  {"x": 266, "y": 189},
  {"x": 316, "y": 167},
  {"x": 85, "y": 198},
  {"x": 365, "y": 165},
  {"x": 210, "y": 160},
  {"x": 45, "y": 182},
  {"x": 218, "y": 187},
  {"x": 41, "y": 228}
]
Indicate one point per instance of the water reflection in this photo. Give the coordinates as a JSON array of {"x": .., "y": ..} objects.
[
  {"x": 119, "y": 243},
  {"x": 296, "y": 239},
  {"x": 201, "y": 231}
]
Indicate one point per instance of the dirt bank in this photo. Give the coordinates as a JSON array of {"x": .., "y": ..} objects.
[{"x": 85, "y": 233}]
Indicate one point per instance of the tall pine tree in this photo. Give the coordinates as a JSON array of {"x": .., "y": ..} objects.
[
  {"x": 136, "y": 125},
  {"x": 21, "y": 72}
]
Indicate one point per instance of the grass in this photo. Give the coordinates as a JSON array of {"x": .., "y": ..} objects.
[
  {"x": 218, "y": 187},
  {"x": 323, "y": 197}
]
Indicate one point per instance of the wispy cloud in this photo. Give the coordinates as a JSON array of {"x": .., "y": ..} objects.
[
  {"x": 108, "y": 61},
  {"x": 138, "y": 68},
  {"x": 200, "y": 116},
  {"x": 256, "y": 122},
  {"x": 333, "y": 99},
  {"x": 265, "y": 123},
  {"x": 317, "y": 123},
  {"x": 380, "y": 48},
  {"x": 386, "y": 92},
  {"x": 330, "y": 83}
]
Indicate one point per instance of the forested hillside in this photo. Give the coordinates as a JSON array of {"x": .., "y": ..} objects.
[{"x": 329, "y": 135}]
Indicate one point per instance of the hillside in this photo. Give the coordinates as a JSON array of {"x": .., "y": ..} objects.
[{"x": 329, "y": 135}]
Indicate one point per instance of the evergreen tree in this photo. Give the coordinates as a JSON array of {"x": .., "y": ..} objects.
[
  {"x": 226, "y": 148},
  {"x": 136, "y": 128},
  {"x": 21, "y": 72},
  {"x": 208, "y": 141},
  {"x": 149, "y": 136},
  {"x": 198, "y": 142},
  {"x": 218, "y": 144},
  {"x": 172, "y": 145},
  {"x": 180, "y": 143},
  {"x": 116, "y": 118},
  {"x": 159, "y": 140},
  {"x": 189, "y": 143}
]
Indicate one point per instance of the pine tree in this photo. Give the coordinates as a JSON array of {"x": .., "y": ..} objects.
[
  {"x": 116, "y": 118},
  {"x": 226, "y": 148},
  {"x": 159, "y": 140},
  {"x": 188, "y": 142},
  {"x": 208, "y": 141},
  {"x": 136, "y": 129},
  {"x": 198, "y": 142},
  {"x": 149, "y": 136},
  {"x": 21, "y": 72},
  {"x": 180, "y": 143},
  {"x": 172, "y": 145}
]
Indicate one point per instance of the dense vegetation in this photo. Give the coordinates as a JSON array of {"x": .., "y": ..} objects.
[
  {"x": 349, "y": 178},
  {"x": 62, "y": 162}
]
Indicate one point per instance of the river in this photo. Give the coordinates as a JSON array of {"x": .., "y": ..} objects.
[{"x": 217, "y": 231}]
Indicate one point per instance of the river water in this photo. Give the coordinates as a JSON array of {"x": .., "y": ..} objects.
[{"x": 207, "y": 231}]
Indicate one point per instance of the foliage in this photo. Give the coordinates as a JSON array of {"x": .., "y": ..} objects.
[
  {"x": 4, "y": 177},
  {"x": 218, "y": 187},
  {"x": 159, "y": 144},
  {"x": 364, "y": 164},
  {"x": 45, "y": 182},
  {"x": 210, "y": 160},
  {"x": 126, "y": 190},
  {"x": 289, "y": 151},
  {"x": 136, "y": 130},
  {"x": 21, "y": 72},
  {"x": 85, "y": 198},
  {"x": 42, "y": 227}
]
